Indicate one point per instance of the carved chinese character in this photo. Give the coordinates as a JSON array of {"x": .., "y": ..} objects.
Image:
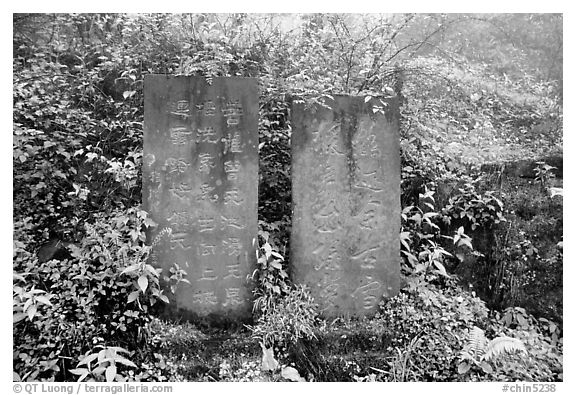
[
  {"x": 232, "y": 246},
  {"x": 364, "y": 144},
  {"x": 180, "y": 135},
  {"x": 232, "y": 111},
  {"x": 369, "y": 180},
  {"x": 206, "y": 135},
  {"x": 332, "y": 142},
  {"x": 367, "y": 257},
  {"x": 232, "y": 222},
  {"x": 178, "y": 240},
  {"x": 206, "y": 162},
  {"x": 179, "y": 220},
  {"x": 328, "y": 257},
  {"x": 366, "y": 292},
  {"x": 178, "y": 166},
  {"x": 233, "y": 197},
  {"x": 205, "y": 249},
  {"x": 206, "y": 223},
  {"x": 232, "y": 142},
  {"x": 149, "y": 159},
  {"x": 232, "y": 297},
  {"x": 233, "y": 270},
  {"x": 232, "y": 168},
  {"x": 329, "y": 223},
  {"x": 181, "y": 191},
  {"x": 208, "y": 108},
  {"x": 205, "y": 298},
  {"x": 180, "y": 108},
  {"x": 369, "y": 220},
  {"x": 155, "y": 177},
  {"x": 206, "y": 193},
  {"x": 328, "y": 177},
  {"x": 329, "y": 289},
  {"x": 208, "y": 274},
  {"x": 232, "y": 108}
]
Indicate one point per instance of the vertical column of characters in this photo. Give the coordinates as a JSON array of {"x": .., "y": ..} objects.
[
  {"x": 368, "y": 179},
  {"x": 205, "y": 197},
  {"x": 233, "y": 223},
  {"x": 174, "y": 169},
  {"x": 327, "y": 210}
]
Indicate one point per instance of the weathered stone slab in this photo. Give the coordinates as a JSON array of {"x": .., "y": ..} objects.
[
  {"x": 346, "y": 201},
  {"x": 200, "y": 178}
]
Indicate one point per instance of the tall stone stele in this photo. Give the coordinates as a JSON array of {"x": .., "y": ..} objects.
[
  {"x": 200, "y": 179},
  {"x": 346, "y": 202}
]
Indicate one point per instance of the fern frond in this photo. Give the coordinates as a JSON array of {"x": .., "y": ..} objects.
[
  {"x": 476, "y": 342},
  {"x": 502, "y": 344}
]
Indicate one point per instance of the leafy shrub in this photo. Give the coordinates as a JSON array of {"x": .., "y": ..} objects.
[
  {"x": 423, "y": 246},
  {"x": 104, "y": 297},
  {"x": 478, "y": 351},
  {"x": 473, "y": 209},
  {"x": 430, "y": 321},
  {"x": 429, "y": 326},
  {"x": 270, "y": 276},
  {"x": 292, "y": 318},
  {"x": 106, "y": 361}
]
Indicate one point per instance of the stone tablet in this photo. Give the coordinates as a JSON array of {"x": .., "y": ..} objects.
[
  {"x": 200, "y": 178},
  {"x": 346, "y": 200}
]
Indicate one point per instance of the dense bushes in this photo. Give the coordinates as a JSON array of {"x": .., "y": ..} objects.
[
  {"x": 432, "y": 323},
  {"x": 102, "y": 296}
]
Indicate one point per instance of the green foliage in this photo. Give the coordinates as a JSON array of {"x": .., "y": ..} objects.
[
  {"x": 543, "y": 358},
  {"x": 523, "y": 266},
  {"x": 479, "y": 351},
  {"x": 292, "y": 318},
  {"x": 106, "y": 361},
  {"x": 431, "y": 341},
  {"x": 270, "y": 276},
  {"x": 275, "y": 185},
  {"x": 104, "y": 296},
  {"x": 544, "y": 174},
  {"x": 426, "y": 324},
  {"x": 473, "y": 209},
  {"x": 422, "y": 244}
]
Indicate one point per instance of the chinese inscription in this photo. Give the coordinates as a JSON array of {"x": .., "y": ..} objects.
[
  {"x": 200, "y": 180},
  {"x": 346, "y": 197}
]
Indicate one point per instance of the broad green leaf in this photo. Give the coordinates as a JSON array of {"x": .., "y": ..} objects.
[
  {"x": 125, "y": 361},
  {"x": 18, "y": 317},
  {"x": 289, "y": 373},
  {"x": 31, "y": 312},
  {"x": 99, "y": 370},
  {"x": 87, "y": 359},
  {"x": 143, "y": 282},
  {"x": 463, "y": 367},
  {"x": 82, "y": 372},
  {"x": 486, "y": 367},
  {"x": 110, "y": 373},
  {"x": 267, "y": 250},
  {"x": 130, "y": 269},
  {"x": 43, "y": 300},
  {"x": 133, "y": 296}
]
